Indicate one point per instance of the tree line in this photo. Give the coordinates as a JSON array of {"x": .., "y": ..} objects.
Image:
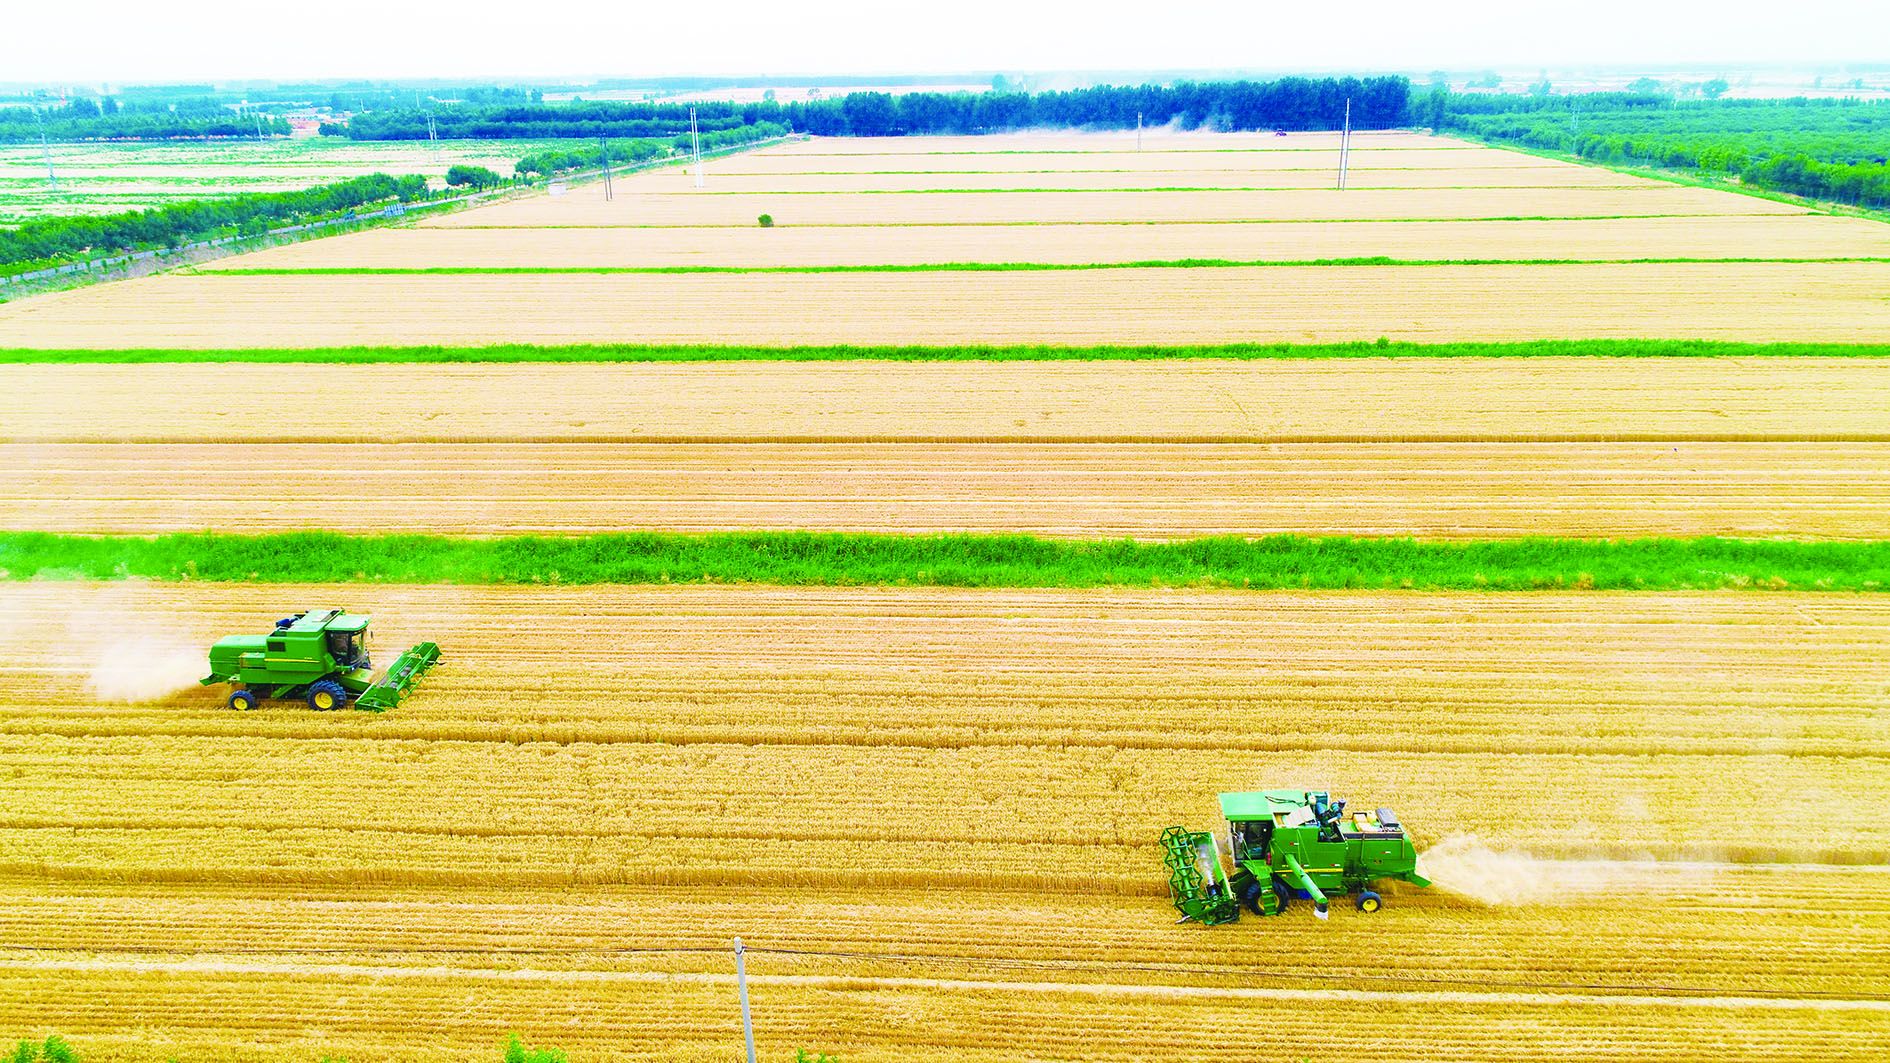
[
  {"x": 535, "y": 121},
  {"x": 1830, "y": 149},
  {"x": 49, "y": 240},
  {"x": 93, "y": 120},
  {"x": 1286, "y": 104},
  {"x": 642, "y": 150}
]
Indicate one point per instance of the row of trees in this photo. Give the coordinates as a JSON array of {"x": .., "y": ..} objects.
[
  {"x": 1289, "y": 103},
  {"x": 75, "y": 122},
  {"x": 49, "y": 240},
  {"x": 642, "y": 150},
  {"x": 535, "y": 121},
  {"x": 1826, "y": 149}
]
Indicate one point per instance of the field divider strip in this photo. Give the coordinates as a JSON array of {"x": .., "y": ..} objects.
[
  {"x": 1375, "y": 261},
  {"x": 1274, "y": 562},
  {"x": 627, "y": 353}
]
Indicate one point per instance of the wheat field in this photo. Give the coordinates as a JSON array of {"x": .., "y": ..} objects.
[
  {"x": 1750, "y": 236},
  {"x": 510, "y": 849},
  {"x": 1773, "y": 301},
  {"x": 1657, "y": 820},
  {"x": 1461, "y": 490}
]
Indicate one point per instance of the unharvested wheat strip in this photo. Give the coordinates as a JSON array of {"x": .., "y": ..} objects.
[
  {"x": 1832, "y": 302},
  {"x": 1757, "y": 236},
  {"x": 1617, "y": 674},
  {"x": 1476, "y": 399},
  {"x": 585, "y": 207},
  {"x": 1150, "y": 491}
]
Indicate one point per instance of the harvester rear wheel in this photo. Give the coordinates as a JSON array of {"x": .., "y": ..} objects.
[
  {"x": 326, "y": 695},
  {"x": 243, "y": 700},
  {"x": 1283, "y": 894},
  {"x": 1369, "y": 902}
]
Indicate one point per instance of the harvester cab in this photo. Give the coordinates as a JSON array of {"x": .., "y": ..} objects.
[
  {"x": 319, "y": 656},
  {"x": 1284, "y": 844}
]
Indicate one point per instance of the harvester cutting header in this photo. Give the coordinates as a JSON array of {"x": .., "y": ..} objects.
[
  {"x": 321, "y": 657},
  {"x": 1286, "y": 843}
]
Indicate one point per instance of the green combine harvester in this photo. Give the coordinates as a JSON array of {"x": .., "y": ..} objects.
[
  {"x": 320, "y": 657},
  {"x": 1286, "y": 843}
]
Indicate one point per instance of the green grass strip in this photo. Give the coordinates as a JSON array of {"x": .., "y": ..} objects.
[
  {"x": 1012, "y": 267},
  {"x": 520, "y": 352},
  {"x": 1152, "y": 188},
  {"x": 1114, "y": 221},
  {"x": 799, "y": 558}
]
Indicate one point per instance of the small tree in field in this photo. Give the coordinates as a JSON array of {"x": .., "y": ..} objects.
[{"x": 766, "y": 221}]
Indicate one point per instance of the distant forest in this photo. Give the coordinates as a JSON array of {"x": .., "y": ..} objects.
[{"x": 1287, "y": 104}]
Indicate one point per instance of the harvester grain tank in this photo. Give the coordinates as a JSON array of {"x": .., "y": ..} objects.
[
  {"x": 1286, "y": 844},
  {"x": 320, "y": 657}
]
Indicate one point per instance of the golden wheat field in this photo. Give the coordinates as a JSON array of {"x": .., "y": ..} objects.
[
  {"x": 1174, "y": 400},
  {"x": 1144, "y": 490},
  {"x": 1769, "y": 301},
  {"x": 1659, "y": 822},
  {"x": 1752, "y": 236},
  {"x": 957, "y": 792}
]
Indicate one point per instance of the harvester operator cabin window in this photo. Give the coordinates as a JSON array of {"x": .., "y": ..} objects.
[{"x": 342, "y": 645}]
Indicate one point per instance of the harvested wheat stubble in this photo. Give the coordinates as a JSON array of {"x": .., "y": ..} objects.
[
  {"x": 446, "y": 870},
  {"x": 585, "y": 206},
  {"x": 1148, "y": 491},
  {"x": 1756, "y": 236},
  {"x": 1331, "y": 400},
  {"x": 432, "y": 1015},
  {"x": 786, "y": 159},
  {"x": 682, "y": 182},
  {"x": 1834, "y": 302}
]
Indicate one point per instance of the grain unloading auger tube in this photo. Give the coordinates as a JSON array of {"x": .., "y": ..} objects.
[
  {"x": 1286, "y": 844},
  {"x": 319, "y": 656}
]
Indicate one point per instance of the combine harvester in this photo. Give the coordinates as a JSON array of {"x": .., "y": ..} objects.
[
  {"x": 1286, "y": 842},
  {"x": 321, "y": 657}
]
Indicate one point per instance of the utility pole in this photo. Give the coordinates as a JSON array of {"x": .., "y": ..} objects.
[
  {"x": 51, "y": 179},
  {"x": 603, "y": 156},
  {"x": 1345, "y": 143},
  {"x": 695, "y": 141},
  {"x": 741, "y": 983}
]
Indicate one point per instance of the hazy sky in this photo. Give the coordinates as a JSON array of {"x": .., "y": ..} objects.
[{"x": 133, "y": 40}]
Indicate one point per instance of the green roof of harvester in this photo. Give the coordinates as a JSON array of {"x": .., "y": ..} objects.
[
  {"x": 1264, "y": 804},
  {"x": 330, "y": 620}
]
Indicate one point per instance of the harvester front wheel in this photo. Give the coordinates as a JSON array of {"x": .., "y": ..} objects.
[
  {"x": 1369, "y": 902},
  {"x": 243, "y": 700},
  {"x": 1251, "y": 895},
  {"x": 326, "y": 695}
]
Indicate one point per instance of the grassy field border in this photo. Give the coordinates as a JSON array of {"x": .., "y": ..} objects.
[
  {"x": 963, "y": 560},
  {"x": 533, "y": 353}
]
